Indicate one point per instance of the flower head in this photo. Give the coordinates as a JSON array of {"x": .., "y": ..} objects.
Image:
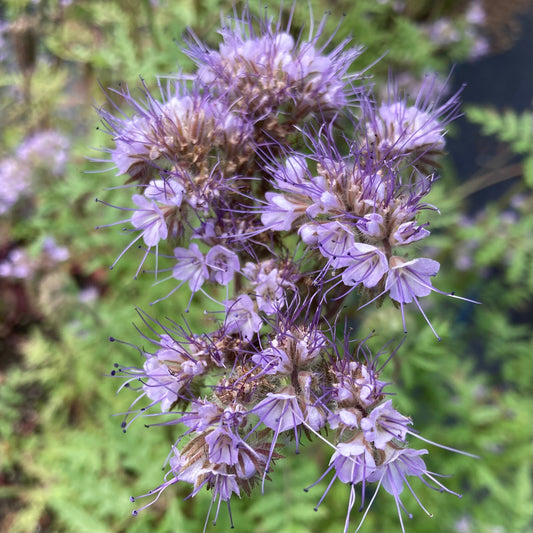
[{"x": 262, "y": 70}]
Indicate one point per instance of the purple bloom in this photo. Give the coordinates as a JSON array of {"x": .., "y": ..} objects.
[
  {"x": 17, "y": 265},
  {"x": 353, "y": 461},
  {"x": 190, "y": 266},
  {"x": 216, "y": 161},
  {"x": 335, "y": 240},
  {"x": 131, "y": 150},
  {"x": 372, "y": 225},
  {"x": 202, "y": 415},
  {"x": 162, "y": 386},
  {"x": 408, "y": 232},
  {"x": 269, "y": 292},
  {"x": 265, "y": 72},
  {"x": 384, "y": 424},
  {"x": 223, "y": 263},
  {"x": 15, "y": 176},
  {"x": 47, "y": 150},
  {"x": 365, "y": 264},
  {"x": 181, "y": 130},
  {"x": 281, "y": 211},
  {"x": 223, "y": 446},
  {"x": 402, "y": 129},
  {"x": 150, "y": 220},
  {"x": 166, "y": 192},
  {"x": 55, "y": 253},
  {"x": 242, "y": 318},
  {"x": 273, "y": 360},
  {"x": 280, "y": 411},
  {"x": 293, "y": 174},
  {"x": 169, "y": 370},
  {"x": 398, "y": 130},
  {"x": 409, "y": 280},
  {"x": 356, "y": 384},
  {"x": 392, "y": 473}
]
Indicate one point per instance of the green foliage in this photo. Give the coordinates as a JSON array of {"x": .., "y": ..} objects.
[{"x": 511, "y": 127}]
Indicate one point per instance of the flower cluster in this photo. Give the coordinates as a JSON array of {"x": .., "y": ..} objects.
[
  {"x": 244, "y": 173},
  {"x": 45, "y": 151}
]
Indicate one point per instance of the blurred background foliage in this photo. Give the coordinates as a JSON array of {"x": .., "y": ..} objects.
[{"x": 65, "y": 464}]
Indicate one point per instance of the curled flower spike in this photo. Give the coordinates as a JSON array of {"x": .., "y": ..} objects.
[
  {"x": 263, "y": 71},
  {"x": 182, "y": 127},
  {"x": 398, "y": 131}
]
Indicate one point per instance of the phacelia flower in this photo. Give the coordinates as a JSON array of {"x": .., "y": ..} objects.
[
  {"x": 241, "y": 317},
  {"x": 268, "y": 74},
  {"x": 190, "y": 266},
  {"x": 384, "y": 424}
]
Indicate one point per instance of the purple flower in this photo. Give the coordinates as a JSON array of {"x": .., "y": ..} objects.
[
  {"x": 335, "y": 240},
  {"x": 161, "y": 386},
  {"x": 281, "y": 211},
  {"x": 169, "y": 370},
  {"x": 167, "y": 192},
  {"x": 132, "y": 152},
  {"x": 280, "y": 411},
  {"x": 408, "y": 232},
  {"x": 266, "y": 72},
  {"x": 150, "y": 220},
  {"x": 398, "y": 130},
  {"x": 356, "y": 384},
  {"x": 273, "y": 360},
  {"x": 15, "y": 176},
  {"x": 365, "y": 264},
  {"x": 181, "y": 130},
  {"x": 353, "y": 461},
  {"x": 223, "y": 446},
  {"x": 190, "y": 266},
  {"x": 47, "y": 150},
  {"x": 17, "y": 265},
  {"x": 55, "y": 253},
  {"x": 202, "y": 415},
  {"x": 269, "y": 292},
  {"x": 392, "y": 473},
  {"x": 402, "y": 129},
  {"x": 384, "y": 424},
  {"x": 372, "y": 225},
  {"x": 242, "y": 318},
  {"x": 409, "y": 280},
  {"x": 223, "y": 263}
]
